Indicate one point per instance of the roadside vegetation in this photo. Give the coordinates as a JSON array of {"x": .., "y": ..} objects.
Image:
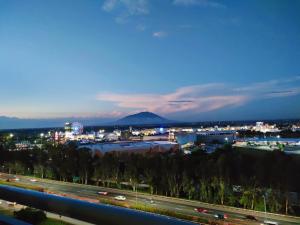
[
  {"x": 20, "y": 185},
  {"x": 32, "y": 216},
  {"x": 151, "y": 209},
  {"x": 234, "y": 177}
]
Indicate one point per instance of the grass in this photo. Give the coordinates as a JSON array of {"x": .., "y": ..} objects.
[
  {"x": 155, "y": 210},
  {"x": 114, "y": 202},
  {"x": 6, "y": 212},
  {"x": 19, "y": 185},
  {"x": 50, "y": 221}
]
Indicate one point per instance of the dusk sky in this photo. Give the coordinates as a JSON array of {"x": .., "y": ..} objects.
[{"x": 188, "y": 60}]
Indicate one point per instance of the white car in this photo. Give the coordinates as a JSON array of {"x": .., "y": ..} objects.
[
  {"x": 103, "y": 193},
  {"x": 33, "y": 180},
  {"x": 16, "y": 179},
  {"x": 268, "y": 222},
  {"x": 11, "y": 203},
  {"x": 120, "y": 198}
]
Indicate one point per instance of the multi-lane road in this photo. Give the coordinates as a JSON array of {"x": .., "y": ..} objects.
[{"x": 88, "y": 192}]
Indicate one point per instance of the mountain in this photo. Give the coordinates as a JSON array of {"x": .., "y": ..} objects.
[{"x": 142, "y": 118}]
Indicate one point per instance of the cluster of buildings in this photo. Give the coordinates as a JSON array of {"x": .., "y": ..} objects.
[
  {"x": 265, "y": 128},
  {"x": 100, "y": 142},
  {"x": 175, "y": 138},
  {"x": 27, "y": 145},
  {"x": 295, "y": 128},
  {"x": 186, "y": 139},
  {"x": 288, "y": 145}
]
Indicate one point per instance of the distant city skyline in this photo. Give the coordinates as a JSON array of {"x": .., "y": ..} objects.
[{"x": 186, "y": 60}]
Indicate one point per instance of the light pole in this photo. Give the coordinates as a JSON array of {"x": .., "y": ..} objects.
[
  {"x": 136, "y": 197},
  {"x": 42, "y": 135}
]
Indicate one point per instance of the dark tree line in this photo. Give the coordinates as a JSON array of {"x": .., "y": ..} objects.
[{"x": 228, "y": 176}]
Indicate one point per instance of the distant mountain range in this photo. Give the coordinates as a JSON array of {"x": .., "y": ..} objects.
[
  {"x": 19, "y": 123},
  {"x": 142, "y": 118}
]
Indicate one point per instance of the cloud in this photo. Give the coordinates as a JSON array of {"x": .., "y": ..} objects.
[
  {"x": 273, "y": 88},
  {"x": 160, "y": 34},
  {"x": 124, "y": 9},
  {"x": 183, "y": 99},
  {"x": 202, "y": 3},
  {"x": 284, "y": 93},
  {"x": 203, "y": 98},
  {"x": 185, "y": 26},
  {"x": 141, "y": 27},
  {"x": 109, "y": 5}
]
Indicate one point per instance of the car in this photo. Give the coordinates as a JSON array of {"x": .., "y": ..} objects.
[
  {"x": 33, "y": 180},
  {"x": 221, "y": 216},
  {"x": 103, "y": 193},
  {"x": 11, "y": 203},
  {"x": 120, "y": 198},
  {"x": 16, "y": 179},
  {"x": 269, "y": 222},
  {"x": 201, "y": 210},
  {"x": 250, "y": 217}
]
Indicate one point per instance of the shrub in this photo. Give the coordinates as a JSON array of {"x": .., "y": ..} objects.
[{"x": 31, "y": 215}]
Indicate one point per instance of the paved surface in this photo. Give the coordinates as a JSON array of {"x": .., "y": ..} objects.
[
  {"x": 90, "y": 193},
  {"x": 16, "y": 207}
]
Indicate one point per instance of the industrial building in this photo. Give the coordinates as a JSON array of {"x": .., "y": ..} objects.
[{"x": 139, "y": 147}]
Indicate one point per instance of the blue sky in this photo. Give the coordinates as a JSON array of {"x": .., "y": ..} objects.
[{"x": 184, "y": 59}]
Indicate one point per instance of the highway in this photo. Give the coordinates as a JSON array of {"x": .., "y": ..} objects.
[{"x": 90, "y": 193}]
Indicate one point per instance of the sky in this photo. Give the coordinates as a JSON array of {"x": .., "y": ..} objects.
[{"x": 187, "y": 60}]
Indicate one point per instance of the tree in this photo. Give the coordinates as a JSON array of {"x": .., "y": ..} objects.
[
  {"x": 31, "y": 215},
  {"x": 84, "y": 164}
]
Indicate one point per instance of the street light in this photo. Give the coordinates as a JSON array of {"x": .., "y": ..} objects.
[
  {"x": 42, "y": 137},
  {"x": 136, "y": 195}
]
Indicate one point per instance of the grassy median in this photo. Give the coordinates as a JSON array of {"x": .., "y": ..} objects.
[
  {"x": 19, "y": 185},
  {"x": 50, "y": 221},
  {"x": 151, "y": 209}
]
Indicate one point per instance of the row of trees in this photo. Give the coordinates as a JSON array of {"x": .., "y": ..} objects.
[{"x": 236, "y": 177}]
